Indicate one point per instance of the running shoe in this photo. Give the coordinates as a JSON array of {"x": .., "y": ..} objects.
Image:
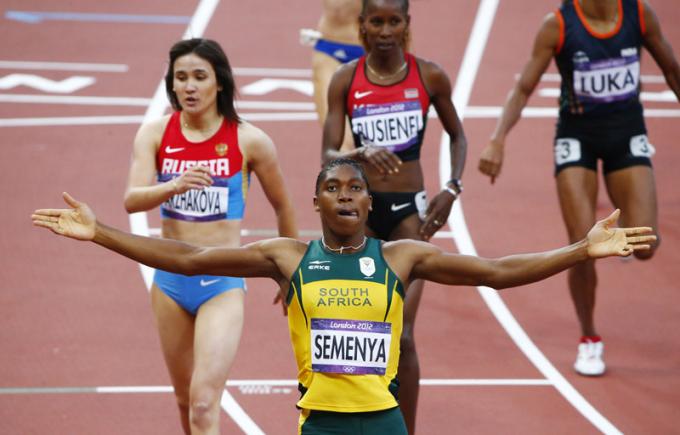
[{"x": 589, "y": 360}]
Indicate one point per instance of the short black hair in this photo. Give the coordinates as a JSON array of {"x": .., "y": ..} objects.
[
  {"x": 337, "y": 163},
  {"x": 404, "y": 6},
  {"x": 211, "y": 52},
  {"x": 405, "y": 43}
]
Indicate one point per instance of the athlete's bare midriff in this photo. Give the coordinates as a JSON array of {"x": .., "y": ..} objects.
[
  {"x": 339, "y": 21},
  {"x": 217, "y": 233}
]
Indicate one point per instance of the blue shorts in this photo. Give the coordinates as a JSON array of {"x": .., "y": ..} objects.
[
  {"x": 190, "y": 292},
  {"x": 343, "y": 53}
]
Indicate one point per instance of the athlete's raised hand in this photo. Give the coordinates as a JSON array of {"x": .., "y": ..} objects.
[
  {"x": 605, "y": 241},
  {"x": 77, "y": 222},
  {"x": 197, "y": 177}
]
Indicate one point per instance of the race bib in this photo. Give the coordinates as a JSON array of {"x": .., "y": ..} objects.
[
  {"x": 350, "y": 347},
  {"x": 607, "y": 80},
  {"x": 640, "y": 146},
  {"x": 392, "y": 125},
  {"x": 567, "y": 150},
  {"x": 206, "y": 204}
]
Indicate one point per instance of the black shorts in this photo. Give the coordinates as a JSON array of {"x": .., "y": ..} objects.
[
  {"x": 619, "y": 140},
  {"x": 390, "y": 208}
]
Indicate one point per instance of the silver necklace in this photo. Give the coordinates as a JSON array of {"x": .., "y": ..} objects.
[
  {"x": 389, "y": 76},
  {"x": 340, "y": 249}
]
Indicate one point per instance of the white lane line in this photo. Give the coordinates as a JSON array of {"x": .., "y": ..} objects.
[
  {"x": 73, "y": 99},
  {"x": 157, "y": 389},
  {"x": 476, "y": 112},
  {"x": 237, "y": 413},
  {"x": 138, "y": 101},
  {"x": 70, "y": 120},
  {"x": 64, "y": 66},
  {"x": 461, "y": 97},
  {"x": 272, "y": 72}
]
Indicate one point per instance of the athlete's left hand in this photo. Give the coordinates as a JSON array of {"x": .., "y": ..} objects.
[
  {"x": 437, "y": 214},
  {"x": 604, "y": 240}
]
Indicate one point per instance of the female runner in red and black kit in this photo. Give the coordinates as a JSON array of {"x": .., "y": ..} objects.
[{"x": 386, "y": 95}]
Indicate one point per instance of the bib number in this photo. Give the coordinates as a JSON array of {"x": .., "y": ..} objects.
[{"x": 567, "y": 150}]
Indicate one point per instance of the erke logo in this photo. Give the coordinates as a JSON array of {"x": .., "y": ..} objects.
[
  {"x": 319, "y": 265},
  {"x": 367, "y": 266}
]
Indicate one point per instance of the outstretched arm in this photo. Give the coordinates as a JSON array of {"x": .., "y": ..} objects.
[
  {"x": 80, "y": 223},
  {"x": 602, "y": 241},
  {"x": 545, "y": 44}
]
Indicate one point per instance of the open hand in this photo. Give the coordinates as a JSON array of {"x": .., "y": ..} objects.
[
  {"x": 604, "y": 241},
  {"x": 78, "y": 222}
]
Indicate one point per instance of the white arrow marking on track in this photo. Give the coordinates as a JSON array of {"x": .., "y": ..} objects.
[
  {"x": 65, "y": 86},
  {"x": 266, "y": 86}
]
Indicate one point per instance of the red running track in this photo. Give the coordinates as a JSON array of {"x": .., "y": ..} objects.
[{"x": 76, "y": 317}]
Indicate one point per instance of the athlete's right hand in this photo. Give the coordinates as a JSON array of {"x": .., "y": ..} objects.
[
  {"x": 197, "y": 177},
  {"x": 491, "y": 160},
  {"x": 382, "y": 159},
  {"x": 78, "y": 222}
]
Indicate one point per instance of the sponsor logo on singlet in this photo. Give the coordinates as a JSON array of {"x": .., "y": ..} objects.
[
  {"x": 392, "y": 125},
  {"x": 354, "y": 347},
  {"x": 319, "y": 265},
  {"x": 607, "y": 80}
]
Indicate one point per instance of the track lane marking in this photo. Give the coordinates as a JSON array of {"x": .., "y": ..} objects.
[{"x": 235, "y": 383}]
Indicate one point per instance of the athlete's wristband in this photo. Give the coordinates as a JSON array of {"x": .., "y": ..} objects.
[
  {"x": 452, "y": 192},
  {"x": 456, "y": 185}
]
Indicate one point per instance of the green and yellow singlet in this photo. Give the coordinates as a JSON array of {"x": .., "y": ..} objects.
[{"x": 345, "y": 319}]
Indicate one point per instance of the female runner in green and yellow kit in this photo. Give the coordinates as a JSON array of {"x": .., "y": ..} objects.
[{"x": 346, "y": 290}]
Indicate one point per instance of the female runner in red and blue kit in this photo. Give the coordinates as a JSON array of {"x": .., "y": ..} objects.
[
  {"x": 386, "y": 95},
  {"x": 195, "y": 164}
]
